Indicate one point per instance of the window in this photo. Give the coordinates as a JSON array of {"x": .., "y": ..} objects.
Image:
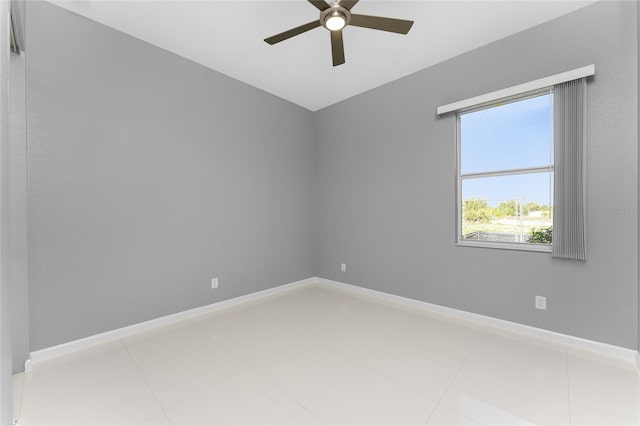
[{"x": 505, "y": 174}]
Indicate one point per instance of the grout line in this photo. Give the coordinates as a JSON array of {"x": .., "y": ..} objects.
[
  {"x": 315, "y": 416},
  {"x": 337, "y": 380},
  {"x": 464, "y": 362},
  {"x": 360, "y": 366},
  {"x": 24, "y": 383},
  {"x": 126, "y": 348},
  {"x": 431, "y": 414},
  {"x": 566, "y": 358},
  {"x": 473, "y": 348},
  {"x": 16, "y": 416},
  {"x": 250, "y": 368},
  {"x": 353, "y": 366}
]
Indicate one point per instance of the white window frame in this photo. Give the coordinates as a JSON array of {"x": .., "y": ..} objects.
[{"x": 544, "y": 248}]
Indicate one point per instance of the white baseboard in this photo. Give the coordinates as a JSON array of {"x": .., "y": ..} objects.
[
  {"x": 625, "y": 354},
  {"x": 96, "y": 339}
]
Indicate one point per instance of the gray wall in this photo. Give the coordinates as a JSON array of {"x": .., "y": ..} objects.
[
  {"x": 148, "y": 176},
  {"x": 386, "y": 185}
]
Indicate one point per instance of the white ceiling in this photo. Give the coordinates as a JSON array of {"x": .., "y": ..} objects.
[{"x": 227, "y": 36}]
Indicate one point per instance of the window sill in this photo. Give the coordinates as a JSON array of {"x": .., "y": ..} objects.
[{"x": 506, "y": 246}]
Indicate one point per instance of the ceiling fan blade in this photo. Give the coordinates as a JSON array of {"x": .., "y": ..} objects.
[
  {"x": 292, "y": 32},
  {"x": 348, "y": 4},
  {"x": 320, "y": 4},
  {"x": 379, "y": 23},
  {"x": 337, "y": 48}
]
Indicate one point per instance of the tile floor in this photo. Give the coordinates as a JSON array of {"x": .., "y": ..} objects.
[{"x": 316, "y": 356}]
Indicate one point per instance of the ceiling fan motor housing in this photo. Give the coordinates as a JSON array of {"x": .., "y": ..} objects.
[{"x": 335, "y": 11}]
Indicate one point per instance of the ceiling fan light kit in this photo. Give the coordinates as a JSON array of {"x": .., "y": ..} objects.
[{"x": 335, "y": 18}]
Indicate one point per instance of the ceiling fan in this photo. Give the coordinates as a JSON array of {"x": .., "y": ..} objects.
[{"x": 335, "y": 17}]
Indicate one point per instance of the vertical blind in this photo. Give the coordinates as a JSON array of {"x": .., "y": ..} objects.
[{"x": 569, "y": 210}]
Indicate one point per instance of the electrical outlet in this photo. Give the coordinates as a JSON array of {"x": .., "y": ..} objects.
[
  {"x": 541, "y": 303},
  {"x": 343, "y": 267},
  {"x": 214, "y": 283}
]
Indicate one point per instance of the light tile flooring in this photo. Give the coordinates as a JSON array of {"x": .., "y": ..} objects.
[{"x": 316, "y": 356}]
